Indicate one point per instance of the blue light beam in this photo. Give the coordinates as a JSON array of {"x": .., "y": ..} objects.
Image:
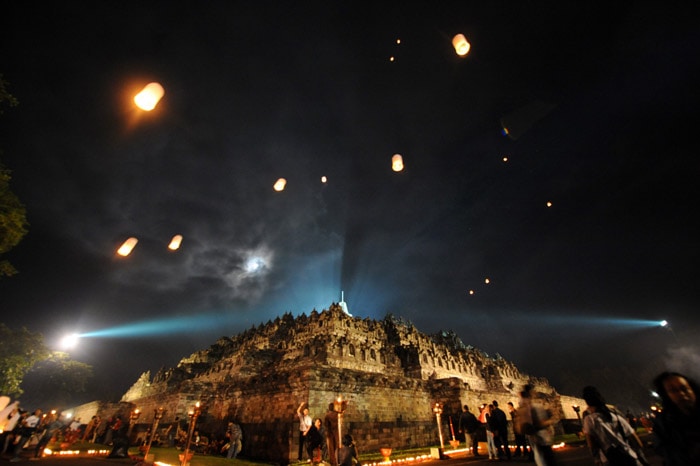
[{"x": 161, "y": 327}]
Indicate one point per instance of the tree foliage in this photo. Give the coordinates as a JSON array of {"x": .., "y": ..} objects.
[
  {"x": 13, "y": 215},
  {"x": 19, "y": 351},
  {"x": 58, "y": 380}
]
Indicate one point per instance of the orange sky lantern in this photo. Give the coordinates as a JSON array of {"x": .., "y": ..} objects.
[
  {"x": 461, "y": 45},
  {"x": 126, "y": 248},
  {"x": 397, "y": 163},
  {"x": 175, "y": 242},
  {"x": 279, "y": 184},
  {"x": 149, "y": 96}
]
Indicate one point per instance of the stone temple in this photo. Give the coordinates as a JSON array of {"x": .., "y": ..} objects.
[{"x": 390, "y": 374}]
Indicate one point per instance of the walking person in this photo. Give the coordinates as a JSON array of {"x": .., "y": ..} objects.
[
  {"x": 534, "y": 422},
  {"x": 609, "y": 433},
  {"x": 26, "y": 429}
]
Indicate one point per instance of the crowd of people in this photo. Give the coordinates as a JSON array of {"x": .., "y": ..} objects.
[{"x": 610, "y": 436}]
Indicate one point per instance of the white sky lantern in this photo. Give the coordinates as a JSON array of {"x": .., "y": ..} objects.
[
  {"x": 397, "y": 163},
  {"x": 149, "y": 97},
  {"x": 280, "y": 184},
  {"x": 175, "y": 243},
  {"x": 459, "y": 42},
  {"x": 126, "y": 248},
  {"x": 324, "y": 179}
]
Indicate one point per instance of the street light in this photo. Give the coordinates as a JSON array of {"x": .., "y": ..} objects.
[
  {"x": 193, "y": 414},
  {"x": 437, "y": 409},
  {"x": 157, "y": 416}
]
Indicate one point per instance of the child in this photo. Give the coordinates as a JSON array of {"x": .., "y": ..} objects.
[{"x": 347, "y": 455}]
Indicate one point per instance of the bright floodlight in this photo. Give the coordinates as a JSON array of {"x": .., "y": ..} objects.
[
  {"x": 663, "y": 323},
  {"x": 149, "y": 97},
  {"x": 69, "y": 341}
]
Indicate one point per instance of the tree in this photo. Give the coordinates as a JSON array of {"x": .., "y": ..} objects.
[
  {"x": 57, "y": 380},
  {"x": 13, "y": 215},
  {"x": 19, "y": 351}
]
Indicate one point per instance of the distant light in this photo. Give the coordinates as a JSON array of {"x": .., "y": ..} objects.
[
  {"x": 471, "y": 291},
  {"x": 391, "y": 58},
  {"x": 70, "y": 341},
  {"x": 126, "y": 248},
  {"x": 663, "y": 323},
  {"x": 549, "y": 204},
  {"x": 505, "y": 131},
  {"x": 149, "y": 96},
  {"x": 397, "y": 163},
  {"x": 505, "y": 159},
  {"x": 280, "y": 184},
  {"x": 461, "y": 45},
  {"x": 398, "y": 41},
  {"x": 487, "y": 281},
  {"x": 175, "y": 243},
  {"x": 324, "y": 179}
]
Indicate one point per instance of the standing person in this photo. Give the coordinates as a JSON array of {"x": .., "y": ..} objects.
[
  {"x": 304, "y": 426},
  {"x": 677, "y": 427},
  {"x": 520, "y": 442},
  {"x": 330, "y": 423},
  {"x": 26, "y": 429},
  {"x": 469, "y": 426},
  {"x": 90, "y": 429},
  {"x": 608, "y": 432},
  {"x": 234, "y": 435},
  {"x": 500, "y": 432},
  {"x": 490, "y": 436},
  {"x": 347, "y": 455},
  {"x": 314, "y": 441},
  {"x": 534, "y": 422}
]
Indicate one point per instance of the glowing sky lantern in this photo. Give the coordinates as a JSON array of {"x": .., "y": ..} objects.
[
  {"x": 149, "y": 97},
  {"x": 487, "y": 280},
  {"x": 279, "y": 184},
  {"x": 175, "y": 242},
  {"x": 459, "y": 42},
  {"x": 397, "y": 163},
  {"x": 126, "y": 248},
  {"x": 324, "y": 179},
  {"x": 549, "y": 204}
]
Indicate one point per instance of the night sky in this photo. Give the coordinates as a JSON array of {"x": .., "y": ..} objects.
[{"x": 600, "y": 102}]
